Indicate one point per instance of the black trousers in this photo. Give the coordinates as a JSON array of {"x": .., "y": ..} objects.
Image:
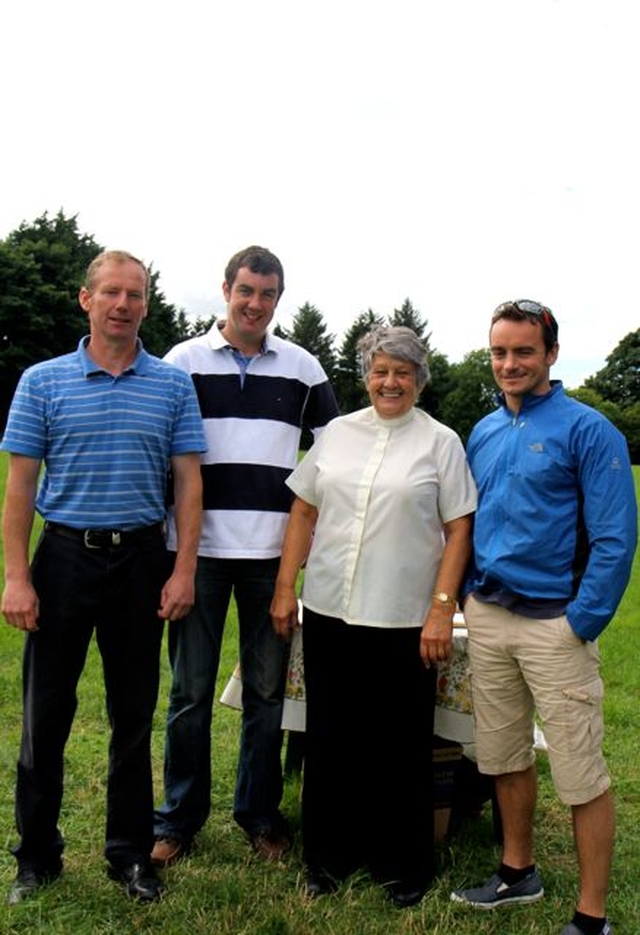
[
  {"x": 367, "y": 798},
  {"x": 115, "y": 592}
]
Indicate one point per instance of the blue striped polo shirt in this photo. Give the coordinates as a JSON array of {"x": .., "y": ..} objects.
[{"x": 106, "y": 441}]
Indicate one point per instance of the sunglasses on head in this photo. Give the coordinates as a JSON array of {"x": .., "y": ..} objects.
[{"x": 529, "y": 307}]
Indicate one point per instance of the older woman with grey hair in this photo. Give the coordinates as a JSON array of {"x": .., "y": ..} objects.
[{"x": 383, "y": 509}]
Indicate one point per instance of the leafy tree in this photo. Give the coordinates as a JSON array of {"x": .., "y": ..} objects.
[
  {"x": 625, "y": 418},
  {"x": 590, "y": 397},
  {"x": 348, "y": 384},
  {"x": 164, "y": 325},
  {"x": 619, "y": 380},
  {"x": 629, "y": 425},
  {"x": 473, "y": 393},
  {"x": 441, "y": 384},
  {"x": 42, "y": 266}
]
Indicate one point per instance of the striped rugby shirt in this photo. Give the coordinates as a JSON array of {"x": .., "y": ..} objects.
[
  {"x": 253, "y": 427},
  {"x": 105, "y": 441}
]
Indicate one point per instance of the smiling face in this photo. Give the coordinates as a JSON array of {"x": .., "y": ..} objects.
[
  {"x": 520, "y": 360},
  {"x": 251, "y": 304},
  {"x": 392, "y": 386},
  {"x": 115, "y": 303}
]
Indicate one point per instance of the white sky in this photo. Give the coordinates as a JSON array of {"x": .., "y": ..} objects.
[{"x": 456, "y": 152}]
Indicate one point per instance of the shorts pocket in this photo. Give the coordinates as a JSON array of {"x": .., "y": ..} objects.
[{"x": 583, "y": 715}]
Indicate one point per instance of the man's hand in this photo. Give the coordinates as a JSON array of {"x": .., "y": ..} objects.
[
  {"x": 20, "y": 605},
  {"x": 177, "y": 597}
]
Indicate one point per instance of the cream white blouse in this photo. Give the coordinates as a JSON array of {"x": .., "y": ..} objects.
[{"x": 383, "y": 489}]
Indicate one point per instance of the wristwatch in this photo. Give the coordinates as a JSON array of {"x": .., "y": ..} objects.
[{"x": 443, "y": 598}]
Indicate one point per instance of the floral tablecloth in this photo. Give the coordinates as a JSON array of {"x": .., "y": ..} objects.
[{"x": 453, "y": 698}]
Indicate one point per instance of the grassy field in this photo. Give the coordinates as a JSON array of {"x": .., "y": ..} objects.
[{"x": 223, "y": 889}]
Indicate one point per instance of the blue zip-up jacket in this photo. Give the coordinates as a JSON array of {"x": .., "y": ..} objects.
[{"x": 557, "y": 513}]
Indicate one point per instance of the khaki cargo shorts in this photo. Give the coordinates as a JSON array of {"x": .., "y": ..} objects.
[{"x": 520, "y": 666}]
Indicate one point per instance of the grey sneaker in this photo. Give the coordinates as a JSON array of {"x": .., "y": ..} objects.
[
  {"x": 495, "y": 892},
  {"x": 572, "y": 929}
]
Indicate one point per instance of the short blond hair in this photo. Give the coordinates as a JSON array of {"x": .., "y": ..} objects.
[{"x": 113, "y": 256}]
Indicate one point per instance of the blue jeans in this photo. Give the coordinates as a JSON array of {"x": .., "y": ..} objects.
[{"x": 194, "y": 652}]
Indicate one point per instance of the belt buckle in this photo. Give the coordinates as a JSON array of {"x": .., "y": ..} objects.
[
  {"x": 87, "y": 540},
  {"x": 115, "y": 537}
]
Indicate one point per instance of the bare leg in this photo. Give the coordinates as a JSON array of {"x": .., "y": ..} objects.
[
  {"x": 517, "y": 794},
  {"x": 593, "y": 831}
]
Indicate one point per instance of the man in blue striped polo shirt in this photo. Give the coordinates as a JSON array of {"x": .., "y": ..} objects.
[
  {"x": 256, "y": 392},
  {"x": 108, "y": 421}
]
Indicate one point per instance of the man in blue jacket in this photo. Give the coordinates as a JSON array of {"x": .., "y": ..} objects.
[{"x": 555, "y": 534}]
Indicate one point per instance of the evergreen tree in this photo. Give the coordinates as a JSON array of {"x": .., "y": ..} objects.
[
  {"x": 349, "y": 388},
  {"x": 409, "y": 317},
  {"x": 309, "y": 330}
]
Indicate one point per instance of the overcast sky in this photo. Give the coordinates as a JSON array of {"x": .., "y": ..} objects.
[{"x": 456, "y": 152}]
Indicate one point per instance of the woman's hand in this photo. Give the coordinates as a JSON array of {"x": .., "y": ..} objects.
[
  {"x": 284, "y": 611},
  {"x": 437, "y": 634}
]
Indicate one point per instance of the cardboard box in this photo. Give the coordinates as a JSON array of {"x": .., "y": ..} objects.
[
  {"x": 441, "y": 819},
  {"x": 446, "y": 758}
]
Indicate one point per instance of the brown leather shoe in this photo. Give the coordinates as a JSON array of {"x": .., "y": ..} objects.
[
  {"x": 167, "y": 851},
  {"x": 270, "y": 845}
]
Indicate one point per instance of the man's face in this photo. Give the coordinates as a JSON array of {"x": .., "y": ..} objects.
[
  {"x": 116, "y": 304},
  {"x": 520, "y": 360},
  {"x": 251, "y": 304}
]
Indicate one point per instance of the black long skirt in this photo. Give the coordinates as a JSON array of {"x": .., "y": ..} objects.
[{"x": 367, "y": 799}]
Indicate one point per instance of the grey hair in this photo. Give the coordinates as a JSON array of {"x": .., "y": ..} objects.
[{"x": 397, "y": 341}]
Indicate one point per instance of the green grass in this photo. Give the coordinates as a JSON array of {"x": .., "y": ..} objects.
[{"x": 223, "y": 889}]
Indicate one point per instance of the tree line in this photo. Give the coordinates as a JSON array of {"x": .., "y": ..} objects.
[{"x": 42, "y": 264}]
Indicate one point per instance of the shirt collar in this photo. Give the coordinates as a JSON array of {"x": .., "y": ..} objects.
[
  {"x": 392, "y": 423},
  {"x": 140, "y": 364},
  {"x": 533, "y": 399},
  {"x": 218, "y": 341}
]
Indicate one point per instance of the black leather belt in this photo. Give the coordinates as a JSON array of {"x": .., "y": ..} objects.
[{"x": 105, "y": 538}]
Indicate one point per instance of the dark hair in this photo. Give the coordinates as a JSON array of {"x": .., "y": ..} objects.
[
  {"x": 528, "y": 310},
  {"x": 397, "y": 341},
  {"x": 258, "y": 260}
]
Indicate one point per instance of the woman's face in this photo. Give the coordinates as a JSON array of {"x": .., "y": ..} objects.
[{"x": 391, "y": 384}]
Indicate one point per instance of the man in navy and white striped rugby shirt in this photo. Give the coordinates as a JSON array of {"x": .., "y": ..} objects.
[{"x": 256, "y": 393}]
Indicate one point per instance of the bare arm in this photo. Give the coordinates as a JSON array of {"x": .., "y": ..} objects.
[
  {"x": 20, "y": 604},
  {"x": 435, "y": 639},
  {"x": 179, "y": 591},
  {"x": 297, "y": 541}
]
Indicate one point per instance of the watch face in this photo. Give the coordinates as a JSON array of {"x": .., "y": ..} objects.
[{"x": 444, "y": 598}]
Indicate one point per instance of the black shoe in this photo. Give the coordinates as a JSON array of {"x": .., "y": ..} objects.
[
  {"x": 319, "y": 884},
  {"x": 28, "y": 881},
  {"x": 405, "y": 894},
  {"x": 141, "y": 881}
]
